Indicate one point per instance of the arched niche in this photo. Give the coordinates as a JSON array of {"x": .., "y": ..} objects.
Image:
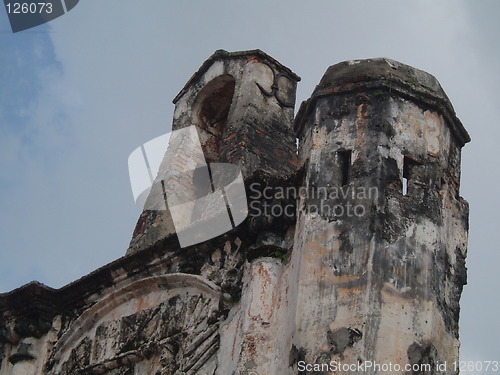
[
  {"x": 160, "y": 324},
  {"x": 211, "y": 112}
]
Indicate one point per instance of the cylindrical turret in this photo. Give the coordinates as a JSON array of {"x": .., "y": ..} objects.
[{"x": 382, "y": 230}]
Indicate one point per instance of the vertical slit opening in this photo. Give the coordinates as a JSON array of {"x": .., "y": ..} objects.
[
  {"x": 405, "y": 186},
  {"x": 407, "y": 165},
  {"x": 344, "y": 158}
]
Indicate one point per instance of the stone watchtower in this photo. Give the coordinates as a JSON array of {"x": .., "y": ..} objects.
[
  {"x": 242, "y": 104},
  {"x": 353, "y": 252},
  {"x": 385, "y": 279}
]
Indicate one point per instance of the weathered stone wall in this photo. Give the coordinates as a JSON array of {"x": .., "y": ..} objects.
[
  {"x": 154, "y": 312},
  {"x": 394, "y": 275},
  {"x": 380, "y": 282}
]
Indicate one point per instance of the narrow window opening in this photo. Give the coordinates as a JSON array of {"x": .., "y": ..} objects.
[
  {"x": 344, "y": 158},
  {"x": 405, "y": 186},
  {"x": 408, "y": 164}
]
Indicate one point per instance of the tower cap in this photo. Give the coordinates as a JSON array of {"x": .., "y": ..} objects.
[{"x": 391, "y": 75}]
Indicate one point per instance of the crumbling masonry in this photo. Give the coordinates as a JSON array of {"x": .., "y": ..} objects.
[{"x": 368, "y": 265}]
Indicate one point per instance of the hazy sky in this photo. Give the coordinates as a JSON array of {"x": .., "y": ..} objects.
[{"x": 79, "y": 94}]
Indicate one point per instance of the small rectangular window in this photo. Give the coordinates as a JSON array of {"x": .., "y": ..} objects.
[
  {"x": 405, "y": 185},
  {"x": 344, "y": 160},
  {"x": 408, "y": 164}
]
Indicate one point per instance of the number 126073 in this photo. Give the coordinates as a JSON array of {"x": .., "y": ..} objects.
[{"x": 29, "y": 8}]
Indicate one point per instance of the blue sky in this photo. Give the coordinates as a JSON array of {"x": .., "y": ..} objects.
[{"x": 81, "y": 93}]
